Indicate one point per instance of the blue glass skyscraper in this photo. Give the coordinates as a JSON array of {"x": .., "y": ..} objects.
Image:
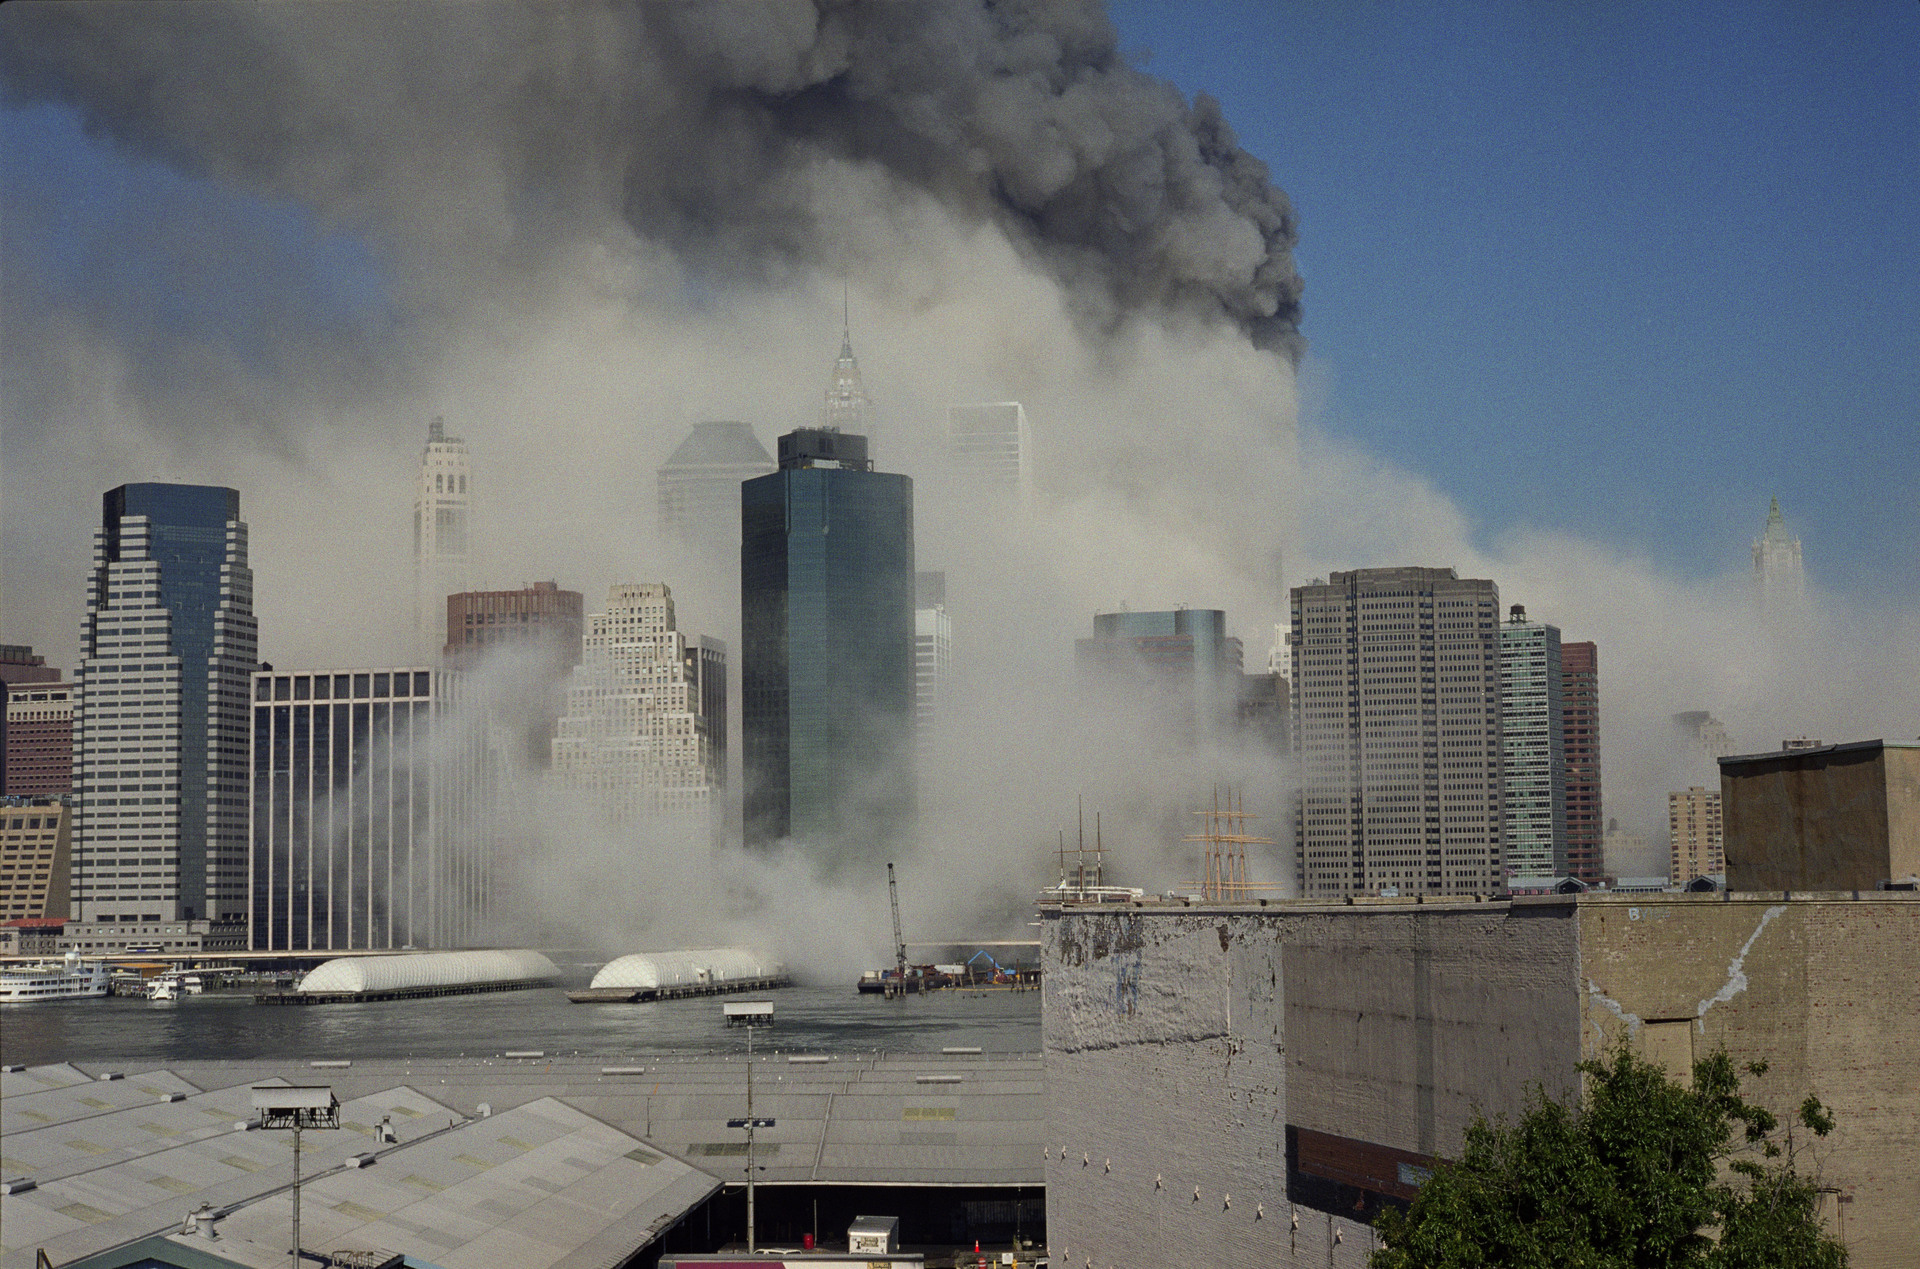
[
  {"x": 160, "y": 729},
  {"x": 826, "y": 611}
]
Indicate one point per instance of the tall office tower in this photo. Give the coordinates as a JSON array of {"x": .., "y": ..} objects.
[
  {"x": 167, "y": 650},
  {"x": 1396, "y": 723},
  {"x": 826, "y": 615},
  {"x": 531, "y": 638},
  {"x": 1779, "y": 583},
  {"x": 36, "y": 856},
  {"x": 540, "y": 619},
  {"x": 990, "y": 449},
  {"x": 932, "y": 658},
  {"x": 18, "y": 664},
  {"x": 1694, "y": 836},
  {"x": 699, "y": 486},
  {"x": 38, "y": 758},
  {"x": 1264, "y": 707},
  {"x": 347, "y": 852},
  {"x": 1533, "y": 748},
  {"x": 442, "y": 535},
  {"x": 1703, "y": 734},
  {"x": 1181, "y": 663},
  {"x": 1580, "y": 705},
  {"x": 849, "y": 410},
  {"x": 645, "y": 732}
]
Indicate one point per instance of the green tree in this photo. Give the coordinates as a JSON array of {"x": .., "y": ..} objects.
[{"x": 1639, "y": 1172}]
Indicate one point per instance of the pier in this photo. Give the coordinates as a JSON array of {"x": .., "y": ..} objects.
[{"x": 639, "y": 995}]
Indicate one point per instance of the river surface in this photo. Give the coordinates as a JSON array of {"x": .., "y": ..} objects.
[{"x": 230, "y": 1025}]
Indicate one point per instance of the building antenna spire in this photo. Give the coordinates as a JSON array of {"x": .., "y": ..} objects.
[{"x": 846, "y": 320}]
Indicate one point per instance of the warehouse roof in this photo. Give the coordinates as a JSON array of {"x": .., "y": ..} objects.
[{"x": 541, "y": 1184}]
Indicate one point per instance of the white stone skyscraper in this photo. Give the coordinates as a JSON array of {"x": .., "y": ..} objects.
[
  {"x": 1396, "y": 721},
  {"x": 442, "y": 536},
  {"x": 848, "y": 407},
  {"x": 990, "y": 448},
  {"x": 168, "y": 648},
  {"x": 1533, "y": 741},
  {"x": 1779, "y": 582},
  {"x": 645, "y": 732}
]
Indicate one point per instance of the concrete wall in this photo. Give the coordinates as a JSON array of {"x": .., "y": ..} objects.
[
  {"x": 1180, "y": 1043},
  {"x": 1839, "y": 818},
  {"x": 1824, "y": 988}
]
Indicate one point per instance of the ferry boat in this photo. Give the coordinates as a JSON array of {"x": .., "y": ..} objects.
[
  {"x": 67, "y": 979},
  {"x": 163, "y": 987}
]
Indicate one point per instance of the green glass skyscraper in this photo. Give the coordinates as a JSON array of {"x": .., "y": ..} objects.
[{"x": 826, "y": 611}]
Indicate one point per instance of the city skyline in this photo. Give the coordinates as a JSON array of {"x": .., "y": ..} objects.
[{"x": 574, "y": 351}]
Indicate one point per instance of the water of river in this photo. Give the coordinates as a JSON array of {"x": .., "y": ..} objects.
[{"x": 814, "y": 1019}]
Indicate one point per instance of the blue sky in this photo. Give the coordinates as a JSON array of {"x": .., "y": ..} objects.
[{"x": 1622, "y": 269}]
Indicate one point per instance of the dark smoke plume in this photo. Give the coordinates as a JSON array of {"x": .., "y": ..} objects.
[{"x": 468, "y": 142}]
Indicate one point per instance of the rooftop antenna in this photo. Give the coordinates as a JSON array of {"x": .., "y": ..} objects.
[
  {"x": 1099, "y": 854},
  {"x": 1080, "y": 850}
]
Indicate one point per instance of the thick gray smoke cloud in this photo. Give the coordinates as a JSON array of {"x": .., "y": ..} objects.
[{"x": 481, "y": 137}]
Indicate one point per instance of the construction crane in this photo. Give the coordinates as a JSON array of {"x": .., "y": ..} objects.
[{"x": 899, "y": 939}]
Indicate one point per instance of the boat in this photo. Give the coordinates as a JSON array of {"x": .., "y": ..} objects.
[
  {"x": 67, "y": 979},
  {"x": 889, "y": 982},
  {"x": 164, "y": 987}
]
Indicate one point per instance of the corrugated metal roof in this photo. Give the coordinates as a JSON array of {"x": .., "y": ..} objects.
[
  {"x": 26, "y": 1110},
  {"x": 125, "y": 1173},
  {"x": 541, "y": 1184}
]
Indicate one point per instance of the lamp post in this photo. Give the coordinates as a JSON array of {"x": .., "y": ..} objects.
[
  {"x": 749, "y": 1014},
  {"x": 297, "y": 1107}
]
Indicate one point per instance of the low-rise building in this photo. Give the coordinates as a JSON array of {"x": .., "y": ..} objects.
[
  {"x": 1832, "y": 817},
  {"x": 1244, "y": 1084},
  {"x": 30, "y": 936}
]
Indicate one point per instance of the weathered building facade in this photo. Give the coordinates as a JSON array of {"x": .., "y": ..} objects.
[{"x": 1250, "y": 1084}]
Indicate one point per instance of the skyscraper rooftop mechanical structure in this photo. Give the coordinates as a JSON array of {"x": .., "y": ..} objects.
[
  {"x": 1396, "y": 722},
  {"x": 160, "y": 725},
  {"x": 827, "y": 666}
]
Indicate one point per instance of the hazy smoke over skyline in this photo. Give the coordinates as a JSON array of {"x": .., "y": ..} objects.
[{"x": 576, "y": 230}]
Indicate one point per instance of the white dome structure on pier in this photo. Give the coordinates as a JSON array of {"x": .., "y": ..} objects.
[
  {"x": 654, "y": 971},
  {"x": 414, "y": 970}
]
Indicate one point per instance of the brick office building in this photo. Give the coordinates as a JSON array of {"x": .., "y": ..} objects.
[{"x": 1580, "y": 708}]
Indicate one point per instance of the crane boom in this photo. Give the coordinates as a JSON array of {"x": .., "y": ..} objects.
[{"x": 899, "y": 940}]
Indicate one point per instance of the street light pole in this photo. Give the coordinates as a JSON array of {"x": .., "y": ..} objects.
[
  {"x": 750, "y": 1155},
  {"x": 296, "y": 1107},
  {"x": 296, "y": 1194}
]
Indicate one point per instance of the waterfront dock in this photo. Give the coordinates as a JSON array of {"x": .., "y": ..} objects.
[{"x": 639, "y": 995}]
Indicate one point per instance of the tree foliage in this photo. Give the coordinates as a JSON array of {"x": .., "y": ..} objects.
[{"x": 1637, "y": 1173}]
